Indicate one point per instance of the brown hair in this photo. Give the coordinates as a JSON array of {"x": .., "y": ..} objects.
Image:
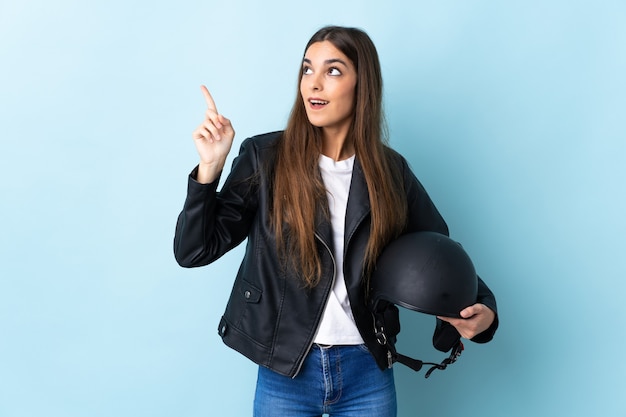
[{"x": 298, "y": 187}]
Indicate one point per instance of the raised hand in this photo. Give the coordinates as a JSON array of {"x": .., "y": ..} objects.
[{"x": 213, "y": 139}]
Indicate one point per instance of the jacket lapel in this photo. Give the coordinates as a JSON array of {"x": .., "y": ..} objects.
[
  {"x": 358, "y": 201},
  {"x": 357, "y": 209}
]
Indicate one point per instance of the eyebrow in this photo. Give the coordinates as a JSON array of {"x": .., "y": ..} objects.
[{"x": 328, "y": 61}]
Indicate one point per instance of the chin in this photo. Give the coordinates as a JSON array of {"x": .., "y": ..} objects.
[{"x": 316, "y": 123}]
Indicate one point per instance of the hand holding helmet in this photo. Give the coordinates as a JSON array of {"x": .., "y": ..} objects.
[{"x": 474, "y": 320}]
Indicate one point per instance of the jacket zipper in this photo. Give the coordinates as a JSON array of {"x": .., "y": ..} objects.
[{"x": 332, "y": 284}]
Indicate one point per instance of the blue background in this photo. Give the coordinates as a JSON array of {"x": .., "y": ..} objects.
[{"x": 511, "y": 113}]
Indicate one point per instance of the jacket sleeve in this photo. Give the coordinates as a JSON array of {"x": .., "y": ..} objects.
[
  {"x": 211, "y": 223},
  {"x": 486, "y": 297},
  {"x": 423, "y": 215}
]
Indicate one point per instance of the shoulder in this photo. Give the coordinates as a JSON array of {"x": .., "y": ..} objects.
[
  {"x": 397, "y": 161},
  {"x": 263, "y": 142},
  {"x": 256, "y": 154},
  {"x": 402, "y": 170}
]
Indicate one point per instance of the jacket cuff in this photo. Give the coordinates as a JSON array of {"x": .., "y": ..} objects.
[
  {"x": 488, "y": 334},
  {"x": 193, "y": 186}
]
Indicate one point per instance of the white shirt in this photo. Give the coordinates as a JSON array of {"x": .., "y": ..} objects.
[{"x": 337, "y": 326}]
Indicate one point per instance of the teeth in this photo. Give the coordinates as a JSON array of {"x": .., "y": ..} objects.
[{"x": 318, "y": 102}]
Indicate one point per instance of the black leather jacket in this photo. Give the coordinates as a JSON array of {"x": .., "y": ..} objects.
[{"x": 271, "y": 318}]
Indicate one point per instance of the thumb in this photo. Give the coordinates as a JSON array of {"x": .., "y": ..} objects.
[{"x": 468, "y": 312}]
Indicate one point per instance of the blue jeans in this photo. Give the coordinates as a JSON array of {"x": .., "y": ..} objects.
[{"x": 341, "y": 381}]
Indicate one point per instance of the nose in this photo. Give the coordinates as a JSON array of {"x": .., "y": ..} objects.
[{"x": 315, "y": 82}]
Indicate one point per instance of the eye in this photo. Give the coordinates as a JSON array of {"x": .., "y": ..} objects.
[
  {"x": 307, "y": 71},
  {"x": 334, "y": 71}
]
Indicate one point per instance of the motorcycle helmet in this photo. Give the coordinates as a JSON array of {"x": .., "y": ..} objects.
[{"x": 425, "y": 272}]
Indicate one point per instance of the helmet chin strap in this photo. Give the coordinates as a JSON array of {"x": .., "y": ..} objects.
[{"x": 417, "y": 364}]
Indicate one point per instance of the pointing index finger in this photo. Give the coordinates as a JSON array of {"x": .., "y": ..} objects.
[{"x": 209, "y": 100}]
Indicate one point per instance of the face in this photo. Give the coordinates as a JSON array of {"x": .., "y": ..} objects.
[{"x": 328, "y": 87}]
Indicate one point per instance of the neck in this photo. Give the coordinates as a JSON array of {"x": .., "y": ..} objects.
[{"x": 335, "y": 145}]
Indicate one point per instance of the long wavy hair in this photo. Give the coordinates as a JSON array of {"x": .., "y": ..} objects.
[{"x": 299, "y": 191}]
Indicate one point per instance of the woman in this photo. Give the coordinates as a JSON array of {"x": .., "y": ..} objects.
[{"x": 316, "y": 203}]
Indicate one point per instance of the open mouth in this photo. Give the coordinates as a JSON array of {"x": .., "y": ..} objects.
[{"x": 317, "y": 104}]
